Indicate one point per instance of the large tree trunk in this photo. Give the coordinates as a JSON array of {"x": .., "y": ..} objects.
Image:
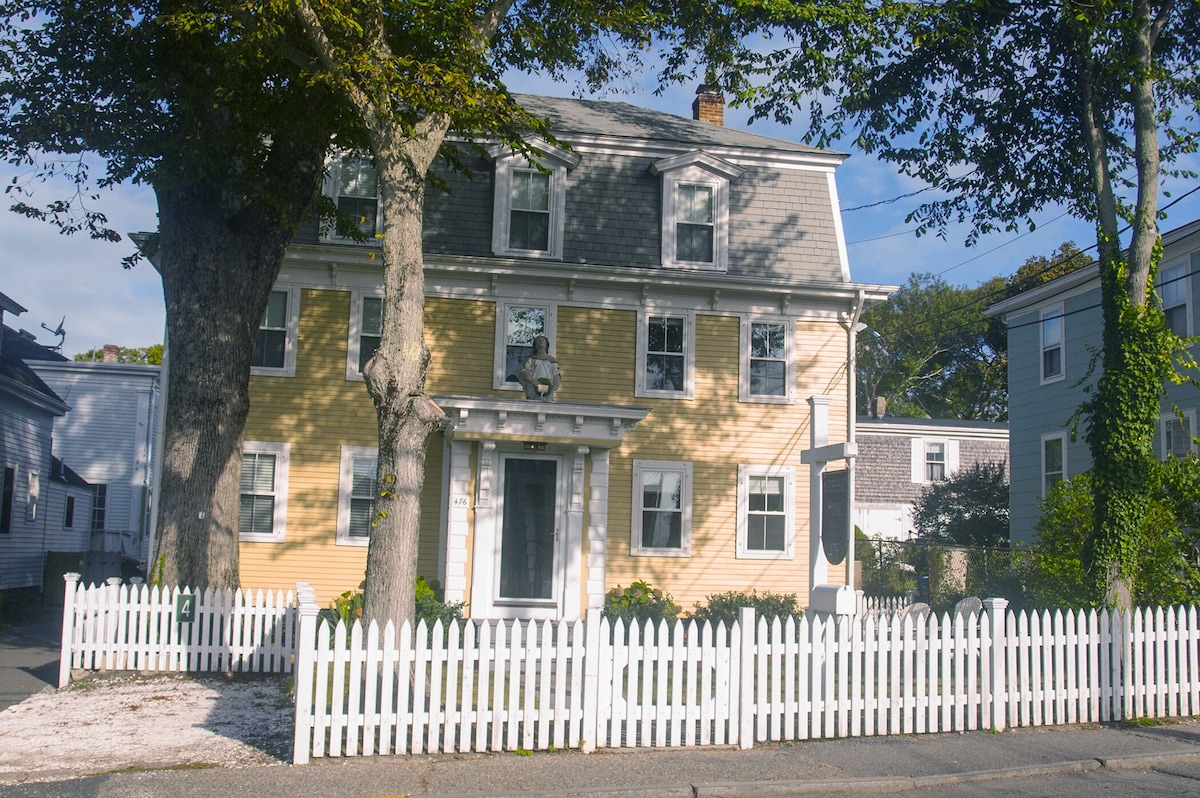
[
  {"x": 396, "y": 376},
  {"x": 218, "y": 267}
]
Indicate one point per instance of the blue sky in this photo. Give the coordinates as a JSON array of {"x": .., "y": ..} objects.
[{"x": 55, "y": 276}]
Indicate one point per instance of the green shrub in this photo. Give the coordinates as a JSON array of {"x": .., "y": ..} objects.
[
  {"x": 639, "y": 602},
  {"x": 724, "y": 606},
  {"x": 348, "y": 607}
]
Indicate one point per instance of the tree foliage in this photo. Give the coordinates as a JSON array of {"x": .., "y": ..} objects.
[
  {"x": 1006, "y": 109},
  {"x": 1167, "y": 568},
  {"x": 931, "y": 353},
  {"x": 232, "y": 137},
  {"x": 968, "y": 508},
  {"x": 144, "y": 355}
]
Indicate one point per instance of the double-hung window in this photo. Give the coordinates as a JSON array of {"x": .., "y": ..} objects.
[
  {"x": 516, "y": 327},
  {"x": 353, "y": 185},
  {"x": 99, "y": 506},
  {"x": 662, "y": 513},
  {"x": 766, "y": 511},
  {"x": 1177, "y": 432},
  {"x": 1054, "y": 461},
  {"x": 366, "y": 331},
  {"x": 529, "y": 205},
  {"x": 69, "y": 513},
  {"x": 1173, "y": 288},
  {"x": 356, "y": 495},
  {"x": 1052, "y": 344},
  {"x": 695, "y": 210},
  {"x": 275, "y": 343},
  {"x": 767, "y": 365},
  {"x": 933, "y": 459},
  {"x": 665, "y": 362},
  {"x": 263, "y": 510}
]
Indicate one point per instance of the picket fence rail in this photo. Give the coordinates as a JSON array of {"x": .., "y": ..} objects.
[
  {"x": 137, "y": 627},
  {"x": 508, "y": 685}
]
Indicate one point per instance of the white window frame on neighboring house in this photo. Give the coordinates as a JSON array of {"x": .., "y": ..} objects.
[
  {"x": 1175, "y": 292},
  {"x": 358, "y": 302},
  {"x": 644, "y": 472},
  {"x": 500, "y": 362},
  {"x": 332, "y": 187},
  {"x": 697, "y": 169},
  {"x": 787, "y": 476},
  {"x": 346, "y": 495},
  {"x": 1045, "y": 315},
  {"x": 919, "y": 462},
  {"x": 746, "y": 359},
  {"x": 1061, "y": 438},
  {"x": 278, "y": 492},
  {"x": 647, "y": 316},
  {"x": 1178, "y": 440},
  {"x": 550, "y": 161},
  {"x": 32, "y": 495},
  {"x": 290, "y": 330}
]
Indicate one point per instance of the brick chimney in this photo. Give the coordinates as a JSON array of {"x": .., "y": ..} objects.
[
  {"x": 709, "y": 105},
  {"x": 110, "y": 353}
]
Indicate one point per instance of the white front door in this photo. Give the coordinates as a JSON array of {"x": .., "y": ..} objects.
[{"x": 530, "y": 562}]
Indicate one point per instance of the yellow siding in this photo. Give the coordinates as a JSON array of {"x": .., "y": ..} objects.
[{"x": 320, "y": 410}]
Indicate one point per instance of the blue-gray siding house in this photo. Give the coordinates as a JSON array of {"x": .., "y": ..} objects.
[{"x": 1054, "y": 331}]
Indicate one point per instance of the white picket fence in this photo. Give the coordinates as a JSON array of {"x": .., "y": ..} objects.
[
  {"x": 480, "y": 686},
  {"x": 135, "y": 627},
  {"x": 883, "y": 605}
]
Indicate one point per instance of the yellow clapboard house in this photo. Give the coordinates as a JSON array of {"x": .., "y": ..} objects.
[{"x": 692, "y": 285}]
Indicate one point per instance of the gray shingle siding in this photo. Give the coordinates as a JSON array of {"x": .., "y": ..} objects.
[{"x": 882, "y": 471}]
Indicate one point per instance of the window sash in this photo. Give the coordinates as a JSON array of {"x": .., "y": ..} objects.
[
  {"x": 935, "y": 462},
  {"x": 662, "y": 509},
  {"x": 99, "y": 507},
  {"x": 258, "y": 487},
  {"x": 362, "y": 496},
  {"x": 1173, "y": 290},
  {"x": 766, "y": 514},
  {"x": 524, "y": 323},
  {"x": 768, "y": 359},
  {"x": 358, "y": 193},
  {"x": 270, "y": 343},
  {"x": 1052, "y": 463},
  {"x": 666, "y": 356},
  {"x": 8, "y": 499},
  {"x": 695, "y": 227},
  {"x": 1177, "y": 436},
  {"x": 1052, "y": 344},
  {"x": 370, "y": 330}
]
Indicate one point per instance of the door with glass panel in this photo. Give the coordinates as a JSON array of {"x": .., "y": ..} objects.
[{"x": 529, "y": 568}]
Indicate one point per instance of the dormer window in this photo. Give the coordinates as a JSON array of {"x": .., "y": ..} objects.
[
  {"x": 353, "y": 184},
  {"x": 530, "y": 201},
  {"x": 695, "y": 210}
]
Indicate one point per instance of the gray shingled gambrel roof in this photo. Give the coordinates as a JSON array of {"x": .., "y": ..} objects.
[{"x": 622, "y": 120}]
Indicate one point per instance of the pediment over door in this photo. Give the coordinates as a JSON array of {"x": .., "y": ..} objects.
[{"x": 593, "y": 425}]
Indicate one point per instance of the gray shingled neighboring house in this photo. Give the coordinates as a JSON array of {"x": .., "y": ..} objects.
[
  {"x": 1053, "y": 332},
  {"x": 898, "y": 458}
]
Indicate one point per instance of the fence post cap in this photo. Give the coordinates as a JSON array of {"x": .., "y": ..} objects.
[
  {"x": 995, "y": 603},
  {"x": 71, "y": 576}
]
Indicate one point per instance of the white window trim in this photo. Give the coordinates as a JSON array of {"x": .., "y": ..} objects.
[
  {"x": 1185, "y": 264},
  {"x": 345, "y": 483},
  {"x": 696, "y": 168},
  {"x": 282, "y": 452},
  {"x": 689, "y": 354},
  {"x": 331, "y": 187},
  {"x": 33, "y": 482},
  {"x": 743, "y": 508},
  {"x": 499, "y": 360},
  {"x": 744, "y": 395},
  {"x": 1061, "y": 436},
  {"x": 918, "y": 471},
  {"x": 1190, "y": 415},
  {"x": 685, "y": 538},
  {"x": 551, "y": 159},
  {"x": 352, "y": 343},
  {"x": 1062, "y": 344},
  {"x": 291, "y": 333}
]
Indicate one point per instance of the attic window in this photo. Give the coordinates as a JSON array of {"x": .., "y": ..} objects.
[
  {"x": 695, "y": 210},
  {"x": 529, "y": 205}
]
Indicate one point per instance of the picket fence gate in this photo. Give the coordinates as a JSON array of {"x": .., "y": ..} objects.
[
  {"x": 136, "y": 627},
  {"x": 479, "y": 686}
]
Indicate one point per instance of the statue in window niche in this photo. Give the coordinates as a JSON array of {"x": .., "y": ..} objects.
[{"x": 540, "y": 376}]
